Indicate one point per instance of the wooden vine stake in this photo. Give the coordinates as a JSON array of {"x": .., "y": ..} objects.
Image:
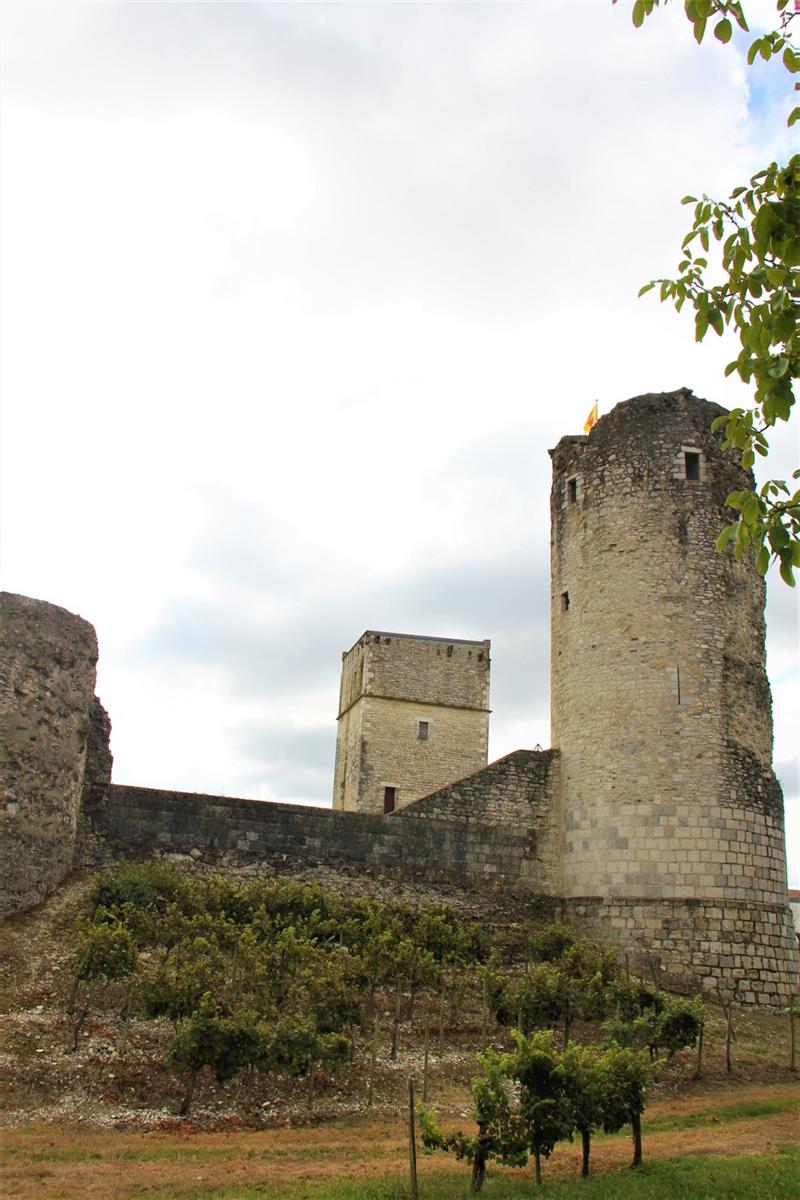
[
  {"x": 371, "y": 1084},
  {"x": 484, "y": 1010},
  {"x": 698, "y": 1071},
  {"x": 425, "y": 1057},
  {"x": 727, "y": 1007},
  {"x": 412, "y": 1141}
]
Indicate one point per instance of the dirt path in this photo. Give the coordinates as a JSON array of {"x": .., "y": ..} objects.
[{"x": 78, "y": 1165}]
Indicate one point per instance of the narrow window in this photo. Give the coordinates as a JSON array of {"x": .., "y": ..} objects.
[
  {"x": 565, "y": 601},
  {"x": 422, "y": 730},
  {"x": 692, "y": 461},
  {"x": 449, "y": 651},
  {"x": 389, "y": 797},
  {"x": 572, "y": 490}
]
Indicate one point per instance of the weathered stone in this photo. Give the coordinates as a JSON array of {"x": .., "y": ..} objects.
[
  {"x": 53, "y": 744},
  {"x": 413, "y": 717}
]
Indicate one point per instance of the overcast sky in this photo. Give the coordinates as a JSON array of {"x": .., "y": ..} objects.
[{"x": 295, "y": 300}]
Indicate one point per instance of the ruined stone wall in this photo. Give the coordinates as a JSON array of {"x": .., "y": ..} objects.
[
  {"x": 47, "y": 713},
  {"x": 392, "y": 682},
  {"x": 660, "y": 702},
  {"x": 495, "y": 831}
]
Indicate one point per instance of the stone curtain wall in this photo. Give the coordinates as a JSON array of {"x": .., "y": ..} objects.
[
  {"x": 495, "y": 830},
  {"x": 390, "y": 682},
  {"x": 48, "y": 713}
]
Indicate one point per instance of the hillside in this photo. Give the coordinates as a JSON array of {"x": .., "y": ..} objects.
[{"x": 98, "y": 1087}]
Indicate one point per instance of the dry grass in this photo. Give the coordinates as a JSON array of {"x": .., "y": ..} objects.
[{"x": 77, "y": 1164}]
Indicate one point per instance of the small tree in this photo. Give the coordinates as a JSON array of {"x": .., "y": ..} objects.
[
  {"x": 217, "y": 1038},
  {"x": 106, "y": 952},
  {"x": 627, "y": 1074},
  {"x": 584, "y": 1093},
  {"x": 544, "y": 1106},
  {"x": 500, "y": 1133}
]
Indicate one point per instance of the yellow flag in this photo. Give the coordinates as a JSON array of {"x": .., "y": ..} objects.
[{"x": 591, "y": 420}]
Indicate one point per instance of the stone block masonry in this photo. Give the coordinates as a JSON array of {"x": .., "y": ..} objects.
[
  {"x": 660, "y": 703},
  {"x": 413, "y": 717},
  {"x": 494, "y": 830}
]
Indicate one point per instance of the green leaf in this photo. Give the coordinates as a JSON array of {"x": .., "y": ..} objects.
[
  {"x": 638, "y": 13},
  {"x": 750, "y": 508},
  {"x": 787, "y": 574},
  {"x": 648, "y": 287},
  {"x": 725, "y": 536},
  {"x": 723, "y": 30},
  {"x": 755, "y": 46},
  {"x": 794, "y": 116},
  {"x": 689, "y": 200},
  {"x": 715, "y": 321},
  {"x": 762, "y": 560},
  {"x": 778, "y": 537}
]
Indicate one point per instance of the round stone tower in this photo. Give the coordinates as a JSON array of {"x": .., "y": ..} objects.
[{"x": 673, "y": 834}]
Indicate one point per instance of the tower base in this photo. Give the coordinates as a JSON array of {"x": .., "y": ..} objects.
[{"x": 700, "y": 945}]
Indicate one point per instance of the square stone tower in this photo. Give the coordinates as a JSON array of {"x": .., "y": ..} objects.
[{"x": 413, "y": 717}]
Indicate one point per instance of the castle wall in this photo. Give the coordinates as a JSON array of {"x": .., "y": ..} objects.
[
  {"x": 660, "y": 702},
  {"x": 493, "y": 831},
  {"x": 518, "y": 792},
  {"x": 47, "y": 712},
  {"x": 390, "y": 683}
]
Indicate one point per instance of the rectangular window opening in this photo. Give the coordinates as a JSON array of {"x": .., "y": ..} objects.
[
  {"x": 572, "y": 490},
  {"x": 423, "y": 728},
  {"x": 692, "y": 462},
  {"x": 565, "y": 601},
  {"x": 389, "y": 799}
]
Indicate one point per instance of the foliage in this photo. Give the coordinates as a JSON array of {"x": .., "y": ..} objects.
[
  {"x": 276, "y": 976},
  {"x": 573, "y": 981},
  {"x": 499, "y": 1135},
  {"x": 529, "y": 1100},
  {"x": 756, "y": 295},
  {"x": 544, "y": 1108},
  {"x": 106, "y": 950},
  {"x": 140, "y": 885},
  {"x": 668, "y": 1023}
]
